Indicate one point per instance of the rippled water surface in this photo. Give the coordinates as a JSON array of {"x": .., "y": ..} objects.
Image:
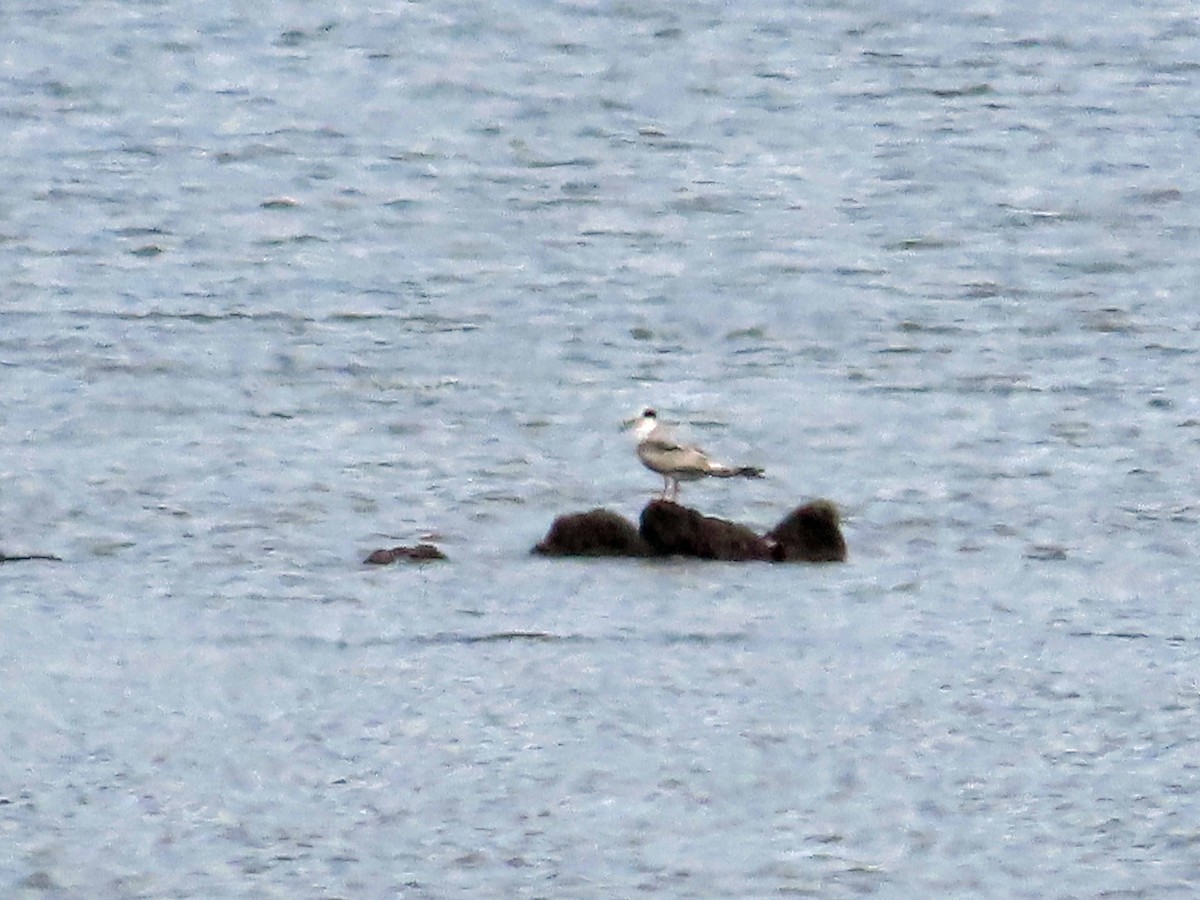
[{"x": 283, "y": 283}]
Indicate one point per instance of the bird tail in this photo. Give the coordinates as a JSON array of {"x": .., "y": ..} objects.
[{"x": 736, "y": 471}]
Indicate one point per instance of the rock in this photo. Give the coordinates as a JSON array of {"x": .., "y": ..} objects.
[
  {"x": 595, "y": 533},
  {"x": 674, "y": 530},
  {"x": 810, "y": 533},
  {"x": 418, "y": 553},
  {"x": 27, "y": 557}
]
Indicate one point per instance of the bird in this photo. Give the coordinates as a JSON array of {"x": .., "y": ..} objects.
[{"x": 660, "y": 452}]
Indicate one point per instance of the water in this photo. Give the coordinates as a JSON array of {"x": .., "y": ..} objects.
[{"x": 284, "y": 284}]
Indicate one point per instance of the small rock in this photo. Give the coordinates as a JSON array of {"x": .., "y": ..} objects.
[
  {"x": 418, "y": 553},
  {"x": 27, "y": 557}
]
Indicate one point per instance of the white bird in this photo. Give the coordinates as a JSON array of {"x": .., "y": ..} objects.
[{"x": 660, "y": 452}]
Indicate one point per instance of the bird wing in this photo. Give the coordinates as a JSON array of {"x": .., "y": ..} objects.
[
  {"x": 664, "y": 453},
  {"x": 665, "y": 443}
]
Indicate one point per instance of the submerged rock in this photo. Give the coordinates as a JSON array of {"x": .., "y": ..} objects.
[
  {"x": 418, "y": 553},
  {"x": 674, "y": 530},
  {"x": 810, "y": 533},
  {"x": 28, "y": 557},
  {"x": 598, "y": 532}
]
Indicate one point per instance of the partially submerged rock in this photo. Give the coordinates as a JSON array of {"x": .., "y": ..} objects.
[
  {"x": 674, "y": 530},
  {"x": 418, "y": 553},
  {"x": 810, "y": 533},
  {"x": 28, "y": 557},
  {"x": 598, "y": 532}
]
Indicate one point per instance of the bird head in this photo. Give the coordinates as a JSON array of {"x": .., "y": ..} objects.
[{"x": 647, "y": 413}]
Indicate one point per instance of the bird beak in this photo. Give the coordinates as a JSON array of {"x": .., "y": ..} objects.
[{"x": 628, "y": 423}]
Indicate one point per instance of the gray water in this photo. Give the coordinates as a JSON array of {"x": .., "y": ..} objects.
[{"x": 282, "y": 283}]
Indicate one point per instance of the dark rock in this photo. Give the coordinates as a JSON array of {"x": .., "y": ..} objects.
[
  {"x": 810, "y": 533},
  {"x": 595, "y": 533},
  {"x": 418, "y": 553},
  {"x": 674, "y": 530},
  {"x": 27, "y": 557}
]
